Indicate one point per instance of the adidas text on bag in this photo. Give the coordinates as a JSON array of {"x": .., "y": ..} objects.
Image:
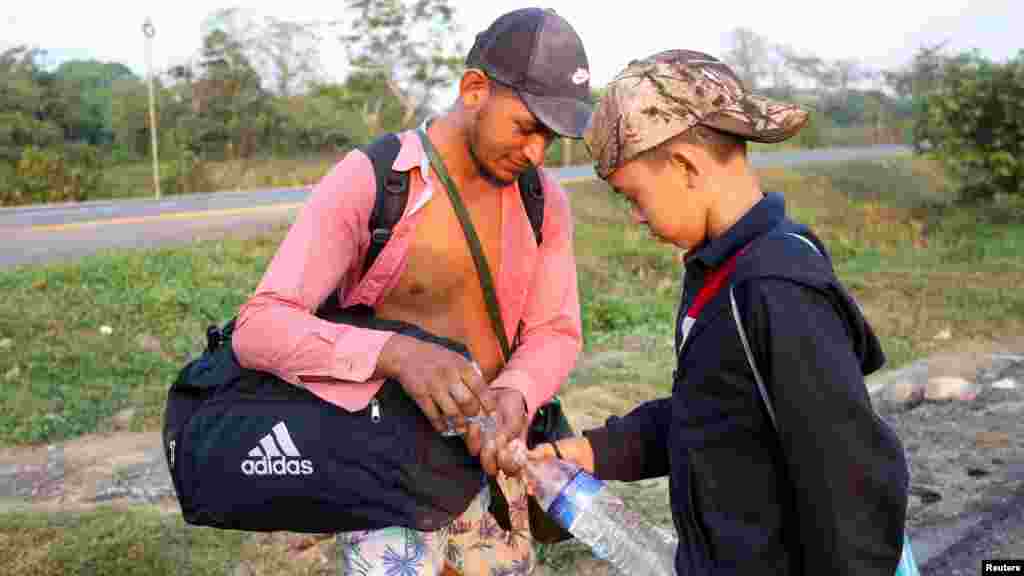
[{"x": 276, "y": 455}]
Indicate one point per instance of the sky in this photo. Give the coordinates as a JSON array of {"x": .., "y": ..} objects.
[{"x": 879, "y": 33}]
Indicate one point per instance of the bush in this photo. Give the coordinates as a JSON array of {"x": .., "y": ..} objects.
[
  {"x": 39, "y": 171},
  {"x": 10, "y": 185},
  {"x": 555, "y": 155},
  {"x": 41, "y": 175},
  {"x": 975, "y": 121},
  {"x": 813, "y": 134},
  {"x": 84, "y": 170},
  {"x": 185, "y": 174}
]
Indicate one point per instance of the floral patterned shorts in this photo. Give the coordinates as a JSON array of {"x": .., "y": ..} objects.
[{"x": 472, "y": 545}]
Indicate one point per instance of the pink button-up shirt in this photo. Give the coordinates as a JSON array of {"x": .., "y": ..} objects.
[{"x": 324, "y": 250}]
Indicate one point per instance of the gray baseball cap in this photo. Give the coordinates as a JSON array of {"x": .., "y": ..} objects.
[{"x": 537, "y": 53}]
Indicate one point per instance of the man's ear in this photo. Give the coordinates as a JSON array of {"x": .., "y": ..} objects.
[{"x": 474, "y": 89}]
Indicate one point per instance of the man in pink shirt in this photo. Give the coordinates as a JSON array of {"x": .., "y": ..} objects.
[{"x": 527, "y": 82}]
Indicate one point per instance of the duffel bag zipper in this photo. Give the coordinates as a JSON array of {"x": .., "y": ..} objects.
[{"x": 374, "y": 410}]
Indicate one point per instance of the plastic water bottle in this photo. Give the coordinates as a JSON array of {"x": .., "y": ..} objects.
[{"x": 585, "y": 507}]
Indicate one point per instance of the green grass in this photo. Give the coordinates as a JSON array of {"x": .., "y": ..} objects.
[
  {"x": 135, "y": 179},
  {"x": 125, "y": 542},
  {"x": 65, "y": 377}
]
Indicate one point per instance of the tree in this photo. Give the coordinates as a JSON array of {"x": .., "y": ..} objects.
[
  {"x": 129, "y": 117},
  {"x": 410, "y": 44},
  {"x": 923, "y": 73},
  {"x": 290, "y": 54},
  {"x": 803, "y": 65},
  {"x": 975, "y": 117},
  {"x": 844, "y": 73},
  {"x": 23, "y": 105},
  {"x": 227, "y": 97},
  {"x": 749, "y": 56},
  {"x": 86, "y": 87},
  {"x": 917, "y": 81}
]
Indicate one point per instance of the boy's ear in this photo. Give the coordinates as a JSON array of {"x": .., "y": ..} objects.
[
  {"x": 685, "y": 159},
  {"x": 474, "y": 88}
]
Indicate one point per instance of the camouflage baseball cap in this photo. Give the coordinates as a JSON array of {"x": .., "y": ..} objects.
[{"x": 659, "y": 97}]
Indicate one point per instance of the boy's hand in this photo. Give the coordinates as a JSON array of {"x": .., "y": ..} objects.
[
  {"x": 576, "y": 449},
  {"x": 510, "y": 414}
]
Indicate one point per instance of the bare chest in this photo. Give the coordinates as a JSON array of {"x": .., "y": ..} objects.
[{"x": 440, "y": 273}]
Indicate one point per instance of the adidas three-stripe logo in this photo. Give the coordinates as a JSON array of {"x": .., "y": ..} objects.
[{"x": 276, "y": 455}]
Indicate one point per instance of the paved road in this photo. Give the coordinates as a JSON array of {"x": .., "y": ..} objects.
[{"x": 35, "y": 234}]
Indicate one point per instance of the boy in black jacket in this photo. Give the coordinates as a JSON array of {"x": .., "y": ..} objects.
[{"x": 782, "y": 470}]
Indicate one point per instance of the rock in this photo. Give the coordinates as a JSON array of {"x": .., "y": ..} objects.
[
  {"x": 1005, "y": 384},
  {"x": 123, "y": 419},
  {"x": 946, "y": 334},
  {"x": 635, "y": 343},
  {"x": 904, "y": 392},
  {"x": 106, "y": 330},
  {"x": 916, "y": 373},
  {"x": 925, "y": 495},
  {"x": 977, "y": 472},
  {"x": 1005, "y": 408},
  {"x": 944, "y": 388},
  {"x": 149, "y": 343},
  {"x": 990, "y": 439}
]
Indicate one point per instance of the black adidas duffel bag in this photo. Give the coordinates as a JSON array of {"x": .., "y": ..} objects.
[{"x": 248, "y": 451}]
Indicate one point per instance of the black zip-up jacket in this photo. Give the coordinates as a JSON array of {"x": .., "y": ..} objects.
[{"x": 827, "y": 494}]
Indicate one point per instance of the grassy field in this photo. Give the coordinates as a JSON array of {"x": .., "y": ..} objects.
[
  {"x": 79, "y": 342},
  {"x": 112, "y": 541},
  {"x": 135, "y": 179}
]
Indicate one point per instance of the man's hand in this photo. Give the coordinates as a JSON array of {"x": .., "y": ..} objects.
[
  {"x": 510, "y": 414},
  {"x": 443, "y": 383}
]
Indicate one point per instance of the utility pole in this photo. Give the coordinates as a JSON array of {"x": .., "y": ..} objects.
[{"x": 149, "y": 31}]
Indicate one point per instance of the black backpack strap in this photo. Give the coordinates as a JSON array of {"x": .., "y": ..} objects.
[
  {"x": 388, "y": 207},
  {"x": 532, "y": 193},
  {"x": 392, "y": 194}
]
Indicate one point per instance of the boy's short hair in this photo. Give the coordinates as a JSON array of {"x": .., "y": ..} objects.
[
  {"x": 722, "y": 146},
  {"x": 668, "y": 94}
]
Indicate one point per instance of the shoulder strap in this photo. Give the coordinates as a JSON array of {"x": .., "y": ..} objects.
[
  {"x": 750, "y": 360},
  {"x": 476, "y": 249},
  {"x": 532, "y": 193},
  {"x": 761, "y": 388},
  {"x": 805, "y": 241},
  {"x": 392, "y": 194}
]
